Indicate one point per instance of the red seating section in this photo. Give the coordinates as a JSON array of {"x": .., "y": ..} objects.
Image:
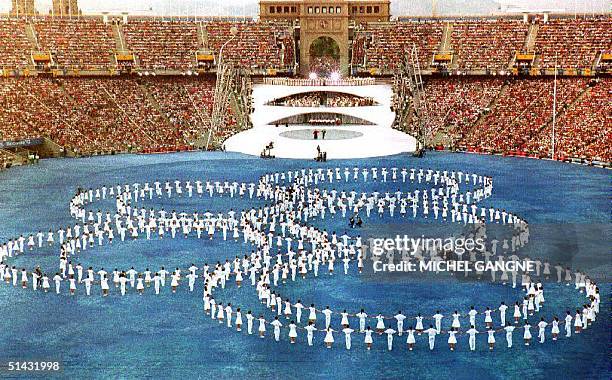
[
  {"x": 163, "y": 45},
  {"x": 257, "y": 45},
  {"x": 14, "y": 45},
  {"x": 99, "y": 115},
  {"x": 575, "y": 42},
  {"x": 480, "y": 45},
  {"x": 86, "y": 44},
  {"x": 389, "y": 42}
]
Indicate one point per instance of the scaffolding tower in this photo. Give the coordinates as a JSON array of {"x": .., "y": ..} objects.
[
  {"x": 224, "y": 88},
  {"x": 410, "y": 103}
]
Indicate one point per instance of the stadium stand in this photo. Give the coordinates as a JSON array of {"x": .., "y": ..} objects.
[
  {"x": 187, "y": 103},
  {"x": 521, "y": 112},
  {"x": 170, "y": 45},
  {"x": 288, "y": 50},
  {"x": 454, "y": 105},
  {"x": 90, "y": 115},
  {"x": 259, "y": 45},
  {"x": 385, "y": 44},
  {"x": 583, "y": 129},
  {"x": 493, "y": 114},
  {"x": 128, "y": 118},
  {"x": 88, "y": 43},
  {"x": 358, "y": 49},
  {"x": 85, "y": 44},
  {"x": 576, "y": 42},
  {"x": 35, "y": 107},
  {"x": 14, "y": 44},
  {"x": 486, "y": 44}
]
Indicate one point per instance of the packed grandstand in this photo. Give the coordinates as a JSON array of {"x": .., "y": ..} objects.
[{"x": 93, "y": 85}]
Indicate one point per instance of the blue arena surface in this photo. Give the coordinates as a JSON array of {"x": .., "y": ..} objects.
[{"x": 170, "y": 336}]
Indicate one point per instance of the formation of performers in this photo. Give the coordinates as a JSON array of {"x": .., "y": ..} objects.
[{"x": 286, "y": 247}]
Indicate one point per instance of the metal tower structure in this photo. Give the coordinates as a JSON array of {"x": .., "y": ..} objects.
[
  {"x": 225, "y": 85},
  {"x": 418, "y": 99},
  {"x": 410, "y": 101}
]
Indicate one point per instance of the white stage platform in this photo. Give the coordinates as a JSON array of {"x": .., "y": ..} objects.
[{"x": 360, "y": 141}]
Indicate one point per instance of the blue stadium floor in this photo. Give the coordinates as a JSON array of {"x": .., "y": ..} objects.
[{"x": 169, "y": 336}]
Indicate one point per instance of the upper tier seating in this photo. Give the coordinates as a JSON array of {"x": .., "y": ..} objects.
[
  {"x": 163, "y": 44},
  {"x": 14, "y": 45},
  {"x": 480, "y": 45},
  {"x": 86, "y": 44},
  {"x": 575, "y": 43}
]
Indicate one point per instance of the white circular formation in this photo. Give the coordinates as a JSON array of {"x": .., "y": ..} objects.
[{"x": 286, "y": 246}]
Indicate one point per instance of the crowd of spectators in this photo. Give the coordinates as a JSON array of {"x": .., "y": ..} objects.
[
  {"x": 522, "y": 110},
  {"x": 385, "y": 45},
  {"x": 146, "y": 114},
  {"x": 514, "y": 116},
  {"x": 358, "y": 50},
  {"x": 257, "y": 45},
  {"x": 582, "y": 130},
  {"x": 88, "y": 43},
  {"x": 163, "y": 44},
  {"x": 150, "y": 113},
  {"x": 76, "y": 43},
  {"x": 455, "y": 105},
  {"x": 33, "y": 107},
  {"x": 487, "y": 44},
  {"x": 484, "y": 44},
  {"x": 575, "y": 42},
  {"x": 14, "y": 44},
  {"x": 104, "y": 115},
  {"x": 187, "y": 102},
  {"x": 288, "y": 49}
]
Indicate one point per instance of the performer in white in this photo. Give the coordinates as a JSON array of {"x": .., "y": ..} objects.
[
  {"x": 390, "y": 333},
  {"x": 410, "y": 341},
  {"x": 431, "y": 332},
  {"x": 509, "y": 329},
  {"x": 347, "y": 336},
  {"x": 472, "y": 337},
  {"x": 452, "y": 339}
]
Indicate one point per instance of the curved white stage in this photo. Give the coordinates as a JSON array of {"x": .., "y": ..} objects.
[{"x": 362, "y": 141}]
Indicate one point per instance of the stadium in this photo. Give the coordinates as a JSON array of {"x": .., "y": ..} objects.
[{"x": 189, "y": 195}]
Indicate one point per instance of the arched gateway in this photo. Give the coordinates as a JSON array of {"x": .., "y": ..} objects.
[
  {"x": 324, "y": 56},
  {"x": 324, "y": 19}
]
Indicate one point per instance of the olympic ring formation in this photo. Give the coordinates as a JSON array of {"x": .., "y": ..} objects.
[{"x": 292, "y": 202}]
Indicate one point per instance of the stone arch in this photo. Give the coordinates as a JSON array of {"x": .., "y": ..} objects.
[
  {"x": 324, "y": 53},
  {"x": 307, "y": 40}
]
